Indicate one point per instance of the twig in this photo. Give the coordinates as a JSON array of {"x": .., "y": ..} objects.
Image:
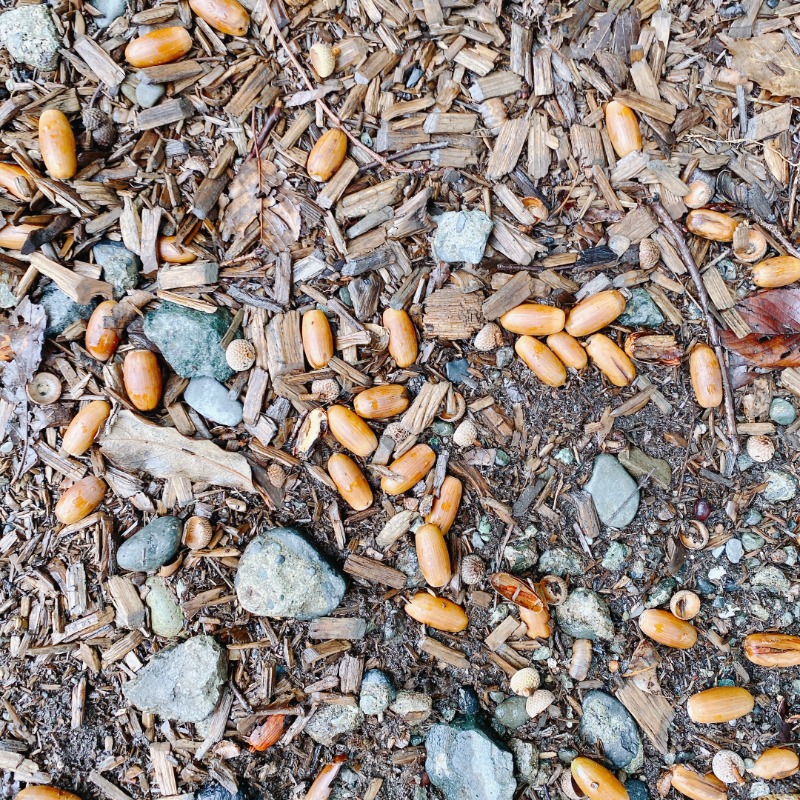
[
  {"x": 713, "y": 332},
  {"x": 328, "y": 111},
  {"x": 417, "y": 148},
  {"x": 779, "y": 235},
  {"x": 270, "y": 122}
]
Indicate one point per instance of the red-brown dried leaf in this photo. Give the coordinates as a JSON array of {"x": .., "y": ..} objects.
[
  {"x": 264, "y": 736},
  {"x": 516, "y": 591},
  {"x": 775, "y": 312},
  {"x": 764, "y": 351}
]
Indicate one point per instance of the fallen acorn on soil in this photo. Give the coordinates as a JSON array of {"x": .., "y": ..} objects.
[
  {"x": 351, "y": 431},
  {"x": 350, "y": 481},
  {"x": 102, "y": 335},
  {"x": 320, "y": 789},
  {"x": 266, "y": 734},
  {"x": 45, "y": 793},
  {"x": 161, "y": 46},
  {"x": 317, "y": 339},
  {"x": 706, "y": 376},
  {"x": 327, "y": 155},
  {"x": 83, "y": 429},
  {"x": 57, "y": 144},
  {"x": 713, "y": 225},
  {"x": 541, "y": 361},
  {"x": 776, "y": 763},
  {"x": 433, "y": 555},
  {"x": 695, "y": 786},
  {"x": 772, "y": 273},
  {"x": 567, "y": 349},
  {"x": 80, "y": 499},
  {"x": 197, "y": 532},
  {"x": 381, "y": 402},
  {"x": 594, "y": 313},
  {"x": 172, "y": 252},
  {"x": 141, "y": 375},
  {"x": 403, "y": 346},
  {"x": 595, "y": 781},
  {"x": 12, "y": 237},
  {"x": 445, "y": 506},
  {"x": 772, "y": 649},
  {"x": 437, "y": 612},
  {"x": 533, "y": 319},
  {"x": 720, "y": 704},
  {"x": 610, "y": 360},
  {"x": 15, "y": 181},
  {"x": 623, "y": 128},
  {"x": 533, "y": 610},
  {"x": 665, "y": 628},
  {"x": 685, "y": 604},
  {"x": 411, "y": 468},
  {"x": 226, "y": 16}
]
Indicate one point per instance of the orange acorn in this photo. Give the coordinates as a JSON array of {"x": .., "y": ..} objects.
[
  {"x": 141, "y": 375},
  {"x": 227, "y": 16},
  {"x": 161, "y": 46},
  {"x": 265, "y": 735},
  {"x": 84, "y": 427},
  {"x": 80, "y": 500},
  {"x": 102, "y": 335},
  {"x": 57, "y": 144}
]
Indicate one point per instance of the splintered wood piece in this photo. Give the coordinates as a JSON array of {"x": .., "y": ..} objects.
[
  {"x": 452, "y": 314},
  {"x": 635, "y": 225},
  {"x": 100, "y": 62},
  {"x": 513, "y": 203},
  {"x": 171, "y": 73},
  {"x": 521, "y": 47},
  {"x": 586, "y": 514},
  {"x": 425, "y": 407},
  {"x": 162, "y": 768},
  {"x": 337, "y": 628},
  {"x": 374, "y": 571},
  {"x": 650, "y": 107},
  {"x": 717, "y": 289},
  {"x": 539, "y": 155},
  {"x": 198, "y": 273},
  {"x": 507, "y": 148},
  {"x": 167, "y": 113},
  {"x": 80, "y": 288},
  {"x": 450, "y": 122},
  {"x": 449, "y": 655},
  {"x": 653, "y": 712},
  {"x": 769, "y": 123},
  {"x": 284, "y": 345},
  {"x": 542, "y": 73},
  {"x": 514, "y": 292},
  {"x": 250, "y": 90},
  {"x": 502, "y": 632},
  {"x": 373, "y": 198},
  {"x": 587, "y": 145},
  {"x": 498, "y": 84},
  {"x": 122, "y": 647}
]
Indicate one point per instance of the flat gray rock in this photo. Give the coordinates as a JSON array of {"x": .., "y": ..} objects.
[
  {"x": 461, "y": 236},
  {"x": 332, "y": 721},
  {"x": 640, "y": 311},
  {"x": 211, "y": 399},
  {"x": 282, "y": 575},
  {"x": 468, "y": 765},
  {"x": 781, "y": 487},
  {"x": 376, "y": 692},
  {"x": 30, "y": 36},
  {"x": 148, "y": 94},
  {"x": 153, "y": 546},
  {"x": 120, "y": 266},
  {"x": 110, "y": 9},
  {"x": 614, "y": 491},
  {"x": 606, "y": 720},
  {"x": 61, "y": 310},
  {"x": 585, "y": 615},
  {"x": 182, "y": 683}
]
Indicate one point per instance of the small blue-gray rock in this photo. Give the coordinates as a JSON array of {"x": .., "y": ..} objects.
[
  {"x": 30, "y": 36},
  {"x": 211, "y": 399},
  {"x": 781, "y": 487},
  {"x": 526, "y": 760},
  {"x": 782, "y": 412},
  {"x": 753, "y": 517},
  {"x": 752, "y": 541},
  {"x": 153, "y": 546},
  {"x": 616, "y": 556},
  {"x": 457, "y": 370},
  {"x": 61, "y": 310},
  {"x": 614, "y": 491},
  {"x": 640, "y": 311},
  {"x": 605, "y": 720},
  {"x": 503, "y": 357},
  {"x": 560, "y": 561},
  {"x": 734, "y": 550},
  {"x": 190, "y": 340},
  {"x": 636, "y": 790},
  {"x": 148, "y": 94},
  {"x": 772, "y": 579},
  {"x": 332, "y": 721},
  {"x": 120, "y": 266},
  {"x": 166, "y": 616},
  {"x": 110, "y": 9},
  {"x": 511, "y": 713},
  {"x": 281, "y": 575},
  {"x": 468, "y": 764},
  {"x": 7, "y": 297},
  {"x": 585, "y": 615},
  {"x": 376, "y": 692},
  {"x": 461, "y": 236}
]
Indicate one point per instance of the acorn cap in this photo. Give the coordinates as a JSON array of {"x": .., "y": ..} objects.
[
  {"x": 472, "y": 569},
  {"x": 525, "y": 682},
  {"x": 328, "y": 389},
  {"x": 465, "y": 434},
  {"x": 489, "y": 337},
  {"x": 728, "y": 766},
  {"x": 323, "y": 59},
  {"x": 538, "y": 702},
  {"x": 240, "y": 355},
  {"x": 649, "y": 254}
]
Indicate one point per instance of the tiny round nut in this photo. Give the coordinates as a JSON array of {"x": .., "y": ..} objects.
[
  {"x": 44, "y": 388},
  {"x": 240, "y": 355},
  {"x": 540, "y": 700},
  {"x": 472, "y": 569},
  {"x": 328, "y": 389},
  {"x": 489, "y": 337},
  {"x": 728, "y": 766},
  {"x": 525, "y": 682},
  {"x": 760, "y": 448},
  {"x": 685, "y": 604},
  {"x": 197, "y": 533},
  {"x": 465, "y": 434},
  {"x": 323, "y": 59},
  {"x": 649, "y": 254}
]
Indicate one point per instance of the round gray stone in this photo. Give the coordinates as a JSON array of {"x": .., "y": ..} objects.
[
  {"x": 110, "y": 9},
  {"x": 781, "y": 487},
  {"x": 282, "y": 575},
  {"x": 166, "y": 616},
  {"x": 461, "y": 236},
  {"x": 61, "y": 310},
  {"x": 211, "y": 399},
  {"x": 376, "y": 692},
  {"x": 560, "y": 561},
  {"x": 120, "y": 266},
  {"x": 782, "y": 412},
  {"x": 332, "y": 721},
  {"x": 30, "y": 36},
  {"x": 614, "y": 491},
  {"x": 511, "y": 713},
  {"x": 148, "y": 94},
  {"x": 153, "y": 546},
  {"x": 585, "y": 615},
  {"x": 606, "y": 720}
]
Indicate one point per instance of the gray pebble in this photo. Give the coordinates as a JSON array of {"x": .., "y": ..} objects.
[
  {"x": 376, "y": 692},
  {"x": 211, "y": 399},
  {"x": 153, "y": 546},
  {"x": 782, "y": 412},
  {"x": 614, "y": 491},
  {"x": 461, "y": 236}
]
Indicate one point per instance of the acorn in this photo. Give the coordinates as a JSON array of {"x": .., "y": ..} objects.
[
  {"x": 45, "y": 793},
  {"x": 322, "y": 57},
  {"x": 15, "y": 181},
  {"x": 327, "y": 155},
  {"x": 100, "y": 125},
  {"x": 267, "y": 734},
  {"x": 161, "y": 46},
  {"x": 685, "y": 604},
  {"x": 102, "y": 334},
  {"x": 43, "y": 389},
  {"x": 773, "y": 273},
  {"x": 445, "y": 506},
  {"x": 775, "y": 764},
  {"x": 701, "y": 190},
  {"x": 433, "y": 555},
  {"x": 141, "y": 376},
  {"x": 595, "y": 312},
  {"x": 713, "y": 225},
  {"x": 317, "y": 339},
  {"x": 326, "y": 390},
  {"x": 226, "y": 16},
  {"x": 595, "y": 781},
  {"x": 567, "y": 349},
  {"x": 706, "y": 376},
  {"x": 381, "y": 402},
  {"x": 533, "y": 319},
  {"x": 85, "y": 425},
  {"x": 728, "y": 766},
  {"x": 240, "y": 355},
  {"x": 57, "y": 144},
  {"x": 609, "y": 358},
  {"x": 720, "y": 704},
  {"x": 696, "y": 786},
  {"x": 623, "y": 129},
  {"x": 749, "y": 244},
  {"x": 197, "y": 532},
  {"x": 350, "y": 481},
  {"x": 772, "y": 649},
  {"x": 649, "y": 254},
  {"x": 13, "y": 237},
  {"x": 403, "y": 347},
  {"x": 667, "y": 629},
  {"x": 172, "y": 252},
  {"x": 412, "y": 467},
  {"x": 351, "y": 431},
  {"x": 80, "y": 500},
  {"x": 541, "y": 361},
  {"x": 437, "y": 612}
]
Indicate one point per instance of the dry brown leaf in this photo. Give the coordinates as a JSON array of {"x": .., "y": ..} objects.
[
  {"x": 775, "y": 312},
  {"x": 131, "y": 443},
  {"x": 768, "y": 60},
  {"x": 764, "y": 351},
  {"x": 642, "y": 668}
]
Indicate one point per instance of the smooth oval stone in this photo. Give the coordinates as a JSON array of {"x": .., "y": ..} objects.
[
  {"x": 211, "y": 399},
  {"x": 614, "y": 491},
  {"x": 376, "y": 692},
  {"x": 153, "y": 546},
  {"x": 585, "y": 615},
  {"x": 606, "y": 720},
  {"x": 512, "y": 713},
  {"x": 166, "y": 616}
]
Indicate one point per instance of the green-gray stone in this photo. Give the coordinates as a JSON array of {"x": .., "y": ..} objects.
[
  {"x": 772, "y": 579},
  {"x": 782, "y": 412},
  {"x": 640, "y": 311},
  {"x": 607, "y": 721},
  {"x": 526, "y": 760},
  {"x": 30, "y": 36},
  {"x": 512, "y": 713},
  {"x": 61, "y": 310},
  {"x": 639, "y": 464},
  {"x": 661, "y": 593},
  {"x": 190, "y": 340},
  {"x": 153, "y": 546},
  {"x": 521, "y": 555},
  {"x": 166, "y": 616},
  {"x": 120, "y": 266},
  {"x": 615, "y": 557},
  {"x": 376, "y": 692},
  {"x": 332, "y": 721},
  {"x": 752, "y": 541},
  {"x": 585, "y": 615},
  {"x": 614, "y": 491},
  {"x": 560, "y": 561},
  {"x": 781, "y": 487}
]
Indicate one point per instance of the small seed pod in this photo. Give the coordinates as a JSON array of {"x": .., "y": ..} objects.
[
  {"x": 15, "y": 181},
  {"x": 525, "y": 681},
  {"x": 83, "y": 429},
  {"x": 720, "y": 704},
  {"x": 350, "y": 481},
  {"x": 533, "y": 319},
  {"x": 226, "y": 16},
  {"x": 772, "y": 649},
  {"x": 437, "y": 612},
  {"x": 623, "y": 129},
  {"x": 172, "y": 252},
  {"x": 539, "y": 701},
  {"x": 455, "y": 406},
  {"x": 760, "y": 448},
  {"x": 696, "y": 786},
  {"x": 197, "y": 533},
  {"x": 541, "y": 361},
  {"x": 102, "y": 333},
  {"x": 323, "y": 59},
  {"x": 568, "y": 350},
  {"x": 552, "y": 589},
  {"x": 728, "y": 766},
  {"x": 536, "y": 207},
  {"x": 45, "y": 793},
  {"x": 326, "y": 389},
  {"x": 581, "y": 659},
  {"x": 706, "y": 376},
  {"x": 43, "y": 389},
  {"x": 141, "y": 376},
  {"x": 445, "y": 506},
  {"x": 403, "y": 346},
  {"x": 775, "y": 764},
  {"x": 411, "y": 468},
  {"x": 381, "y": 402},
  {"x": 488, "y": 338},
  {"x": 472, "y": 569},
  {"x": 161, "y": 46},
  {"x": 12, "y": 237},
  {"x": 267, "y": 734},
  {"x": 773, "y": 273},
  {"x": 327, "y": 155},
  {"x": 701, "y": 190},
  {"x": 493, "y": 113},
  {"x": 595, "y": 781},
  {"x": 57, "y": 144},
  {"x": 276, "y": 474},
  {"x": 749, "y": 244},
  {"x": 713, "y": 225},
  {"x": 80, "y": 500},
  {"x": 433, "y": 555},
  {"x": 685, "y": 604},
  {"x": 317, "y": 339},
  {"x": 667, "y": 629},
  {"x": 695, "y": 537},
  {"x": 610, "y": 360},
  {"x": 465, "y": 434},
  {"x": 595, "y": 312},
  {"x": 649, "y": 254},
  {"x": 240, "y": 355},
  {"x": 351, "y": 431}
]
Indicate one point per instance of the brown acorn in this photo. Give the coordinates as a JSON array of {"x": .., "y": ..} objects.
[
  {"x": 85, "y": 425},
  {"x": 433, "y": 555},
  {"x": 445, "y": 506},
  {"x": 327, "y": 155},
  {"x": 102, "y": 333},
  {"x": 173, "y": 253},
  {"x": 381, "y": 402},
  {"x": 57, "y": 144},
  {"x": 541, "y": 361},
  {"x": 412, "y": 467},
  {"x": 12, "y": 237},
  {"x": 667, "y": 629},
  {"x": 15, "y": 181},
  {"x": 720, "y": 704},
  {"x": 350, "y": 481},
  {"x": 595, "y": 312},
  {"x": 266, "y": 734},
  {"x": 226, "y": 16},
  {"x": 161, "y": 46},
  {"x": 351, "y": 431},
  {"x": 403, "y": 346},
  {"x": 623, "y": 129},
  {"x": 706, "y": 376},
  {"x": 533, "y": 319},
  {"x": 80, "y": 500},
  {"x": 713, "y": 225},
  {"x": 317, "y": 339},
  {"x": 772, "y": 649},
  {"x": 141, "y": 376},
  {"x": 437, "y": 612}
]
